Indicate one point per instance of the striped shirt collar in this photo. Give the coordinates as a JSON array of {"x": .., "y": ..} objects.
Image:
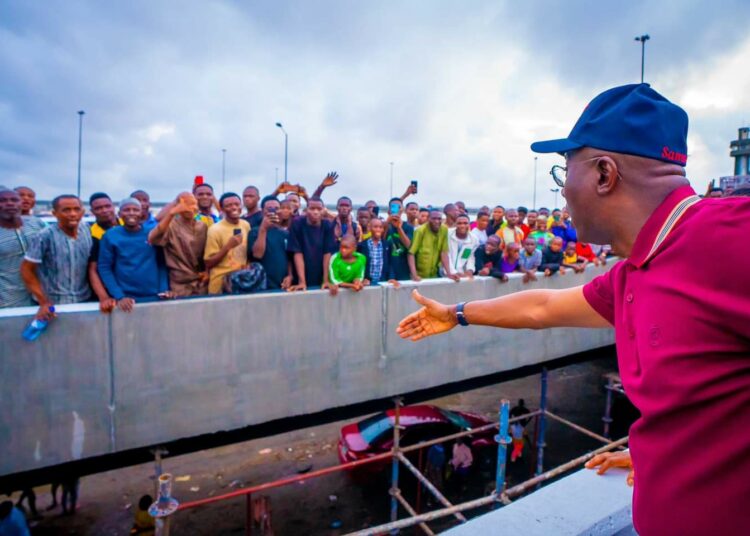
[{"x": 656, "y": 229}]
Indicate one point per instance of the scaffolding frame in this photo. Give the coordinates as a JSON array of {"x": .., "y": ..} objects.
[{"x": 501, "y": 495}]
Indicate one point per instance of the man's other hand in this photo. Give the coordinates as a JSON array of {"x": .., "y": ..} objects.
[
  {"x": 431, "y": 319},
  {"x": 607, "y": 460}
]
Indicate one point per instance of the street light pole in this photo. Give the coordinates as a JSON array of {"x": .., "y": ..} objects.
[
  {"x": 286, "y": 150},
  {"x": 643, "y": 38},
  {"x": 80, "y": 145},
  {"x": 554, "y": 191},
  {"x": 391, "y": 180},
  {"x": 223, "y": 170},
  {"x": 533, "y": 204}
]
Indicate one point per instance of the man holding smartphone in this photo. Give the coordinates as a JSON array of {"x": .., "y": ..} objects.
[
  {"x": 398, "y": 234},
  {"x": 226, "y": 243},
  {"x": 267, "y": 245}
]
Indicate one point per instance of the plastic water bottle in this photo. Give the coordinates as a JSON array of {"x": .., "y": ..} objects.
[{"x": 36, "y": 327}]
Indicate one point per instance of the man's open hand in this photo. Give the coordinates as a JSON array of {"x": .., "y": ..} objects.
[
  {"x": 431, "y": 319},
  {"x": 608, "y": 460}
]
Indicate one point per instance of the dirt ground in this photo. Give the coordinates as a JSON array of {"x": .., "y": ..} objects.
[{"x": 313, "y": 506}]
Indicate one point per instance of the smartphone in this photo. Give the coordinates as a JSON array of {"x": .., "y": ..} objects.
[
  {"x": 237, "y": 231},
  {"x": 272, "y": 210},
  {"x": 198, "y": 180},
  {"x": 394, "y": 208},
  {"x": 414, "y": 184}
]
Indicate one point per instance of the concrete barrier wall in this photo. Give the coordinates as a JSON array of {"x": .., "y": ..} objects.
[{"x": 94, "y": 384}]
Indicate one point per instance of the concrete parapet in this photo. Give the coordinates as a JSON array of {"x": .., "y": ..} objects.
[{"x": 95, "y": 384}]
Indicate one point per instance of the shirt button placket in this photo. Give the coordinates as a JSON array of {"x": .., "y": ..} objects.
[{"x": 629, "y": 301}]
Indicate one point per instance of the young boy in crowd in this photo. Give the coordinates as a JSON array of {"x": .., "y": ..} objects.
[
  {"x": 377, "y": 252},
  {"x": 488, "y": 256},
  {"x": 572, "y": 260},
  {"x": 552, "y": 258},
  {"x": 508, "y": 262},
  {"x": 347, "y": 268},
  {"x": 541, "y": 235},
  {"x": 529, "y": 260},
  {"x": 363, "y": 218}
]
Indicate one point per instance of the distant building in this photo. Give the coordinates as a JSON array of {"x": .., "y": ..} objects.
[{"x": 739, "y": 149}]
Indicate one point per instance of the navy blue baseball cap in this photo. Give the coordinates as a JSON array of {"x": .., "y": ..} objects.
[{"x": 632, "y": 119}]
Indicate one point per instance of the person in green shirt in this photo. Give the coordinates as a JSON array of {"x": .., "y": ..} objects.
[
  {"x": 347, "y": 268},
  {"x": 429, "y": 249}
]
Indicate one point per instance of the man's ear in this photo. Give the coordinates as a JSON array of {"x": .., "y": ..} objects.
[{"x": 606, "y": 168}]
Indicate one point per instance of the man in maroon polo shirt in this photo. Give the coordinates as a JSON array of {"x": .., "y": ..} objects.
[{"x": 682, "y": 329}]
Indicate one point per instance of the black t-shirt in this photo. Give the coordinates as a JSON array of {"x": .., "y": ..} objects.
[
  {"x": 275, "y": 258},
  {"x": 313, "y": 242},
  {"x": 254, "y": 220},
  {"x": 551, "y": 257},
  {"x": 481, "y": 258},
  {"x": 399, "y": 264}
]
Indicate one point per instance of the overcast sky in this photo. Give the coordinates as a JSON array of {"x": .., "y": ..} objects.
[{"x": 452, "y": 92}]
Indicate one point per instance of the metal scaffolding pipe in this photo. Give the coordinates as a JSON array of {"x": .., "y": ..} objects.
[
  {"x": 575, "y": 426},
  {"x": 542, "y": 408},
  {"x": 394, "y": 460},
  {"x": 502, "y": 439},
  {"x": 608, "y": 407},
  {"x": 428, "y": 516},
  {"x": 429, "y": 485},
  {"x": 412, "y": 512},
  {"x": 483, "y": 501}
]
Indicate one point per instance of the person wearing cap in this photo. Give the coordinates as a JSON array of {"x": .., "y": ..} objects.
[
  {"x": 682, "y": 329},
  {"x": 128, "y": 264},
  {"x": 54, "y": 268}
]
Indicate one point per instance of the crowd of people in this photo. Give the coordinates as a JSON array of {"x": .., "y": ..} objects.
[{"x": 200, "y": 244}]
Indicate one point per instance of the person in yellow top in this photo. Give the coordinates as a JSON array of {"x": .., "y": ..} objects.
[
  {"x": 226, "y": 243},
  {"x": 571, "y": 258},
  {"x": 144, "y": 524}
]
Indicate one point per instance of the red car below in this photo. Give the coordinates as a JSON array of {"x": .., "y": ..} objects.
[{"x": 374, "y": 435}]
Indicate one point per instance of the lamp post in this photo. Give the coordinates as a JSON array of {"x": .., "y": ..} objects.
[
  {"x": 391, "y": 180},
  {"x": 643, "y": 38},
  {"x": 555, "y": 191},
  {"x": 223, "y": 170},
  {"x": 533, "y": 204},
  {"x": 286, "y": 149},
  {"x": 80, "y": 145}
]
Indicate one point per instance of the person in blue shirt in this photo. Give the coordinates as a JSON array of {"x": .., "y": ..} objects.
[
  {"x": 147, "y": 219},
  {"x": 12, "y": 521},
  {"x": 128, "y": 264}
]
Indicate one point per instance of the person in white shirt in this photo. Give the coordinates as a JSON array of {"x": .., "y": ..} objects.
[
  {"x": 480, "y": 231},
  {"x": 461, "y": 247}
]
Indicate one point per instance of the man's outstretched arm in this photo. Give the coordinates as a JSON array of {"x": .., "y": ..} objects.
[{"x": 531, "y": 309}]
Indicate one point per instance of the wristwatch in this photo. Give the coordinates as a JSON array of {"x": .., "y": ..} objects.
[{"x": 460, "y": 314}]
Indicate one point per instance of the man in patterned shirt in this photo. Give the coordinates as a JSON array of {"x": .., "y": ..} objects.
[{"x": 55, "y": 266}]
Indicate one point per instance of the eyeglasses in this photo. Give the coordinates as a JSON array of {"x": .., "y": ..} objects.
[{"x": 559, "y": 174}]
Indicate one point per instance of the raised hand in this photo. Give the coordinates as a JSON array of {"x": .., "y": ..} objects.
[
  {"x": 433, "y": 318},
  {"x": 330, "y": 179}
]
